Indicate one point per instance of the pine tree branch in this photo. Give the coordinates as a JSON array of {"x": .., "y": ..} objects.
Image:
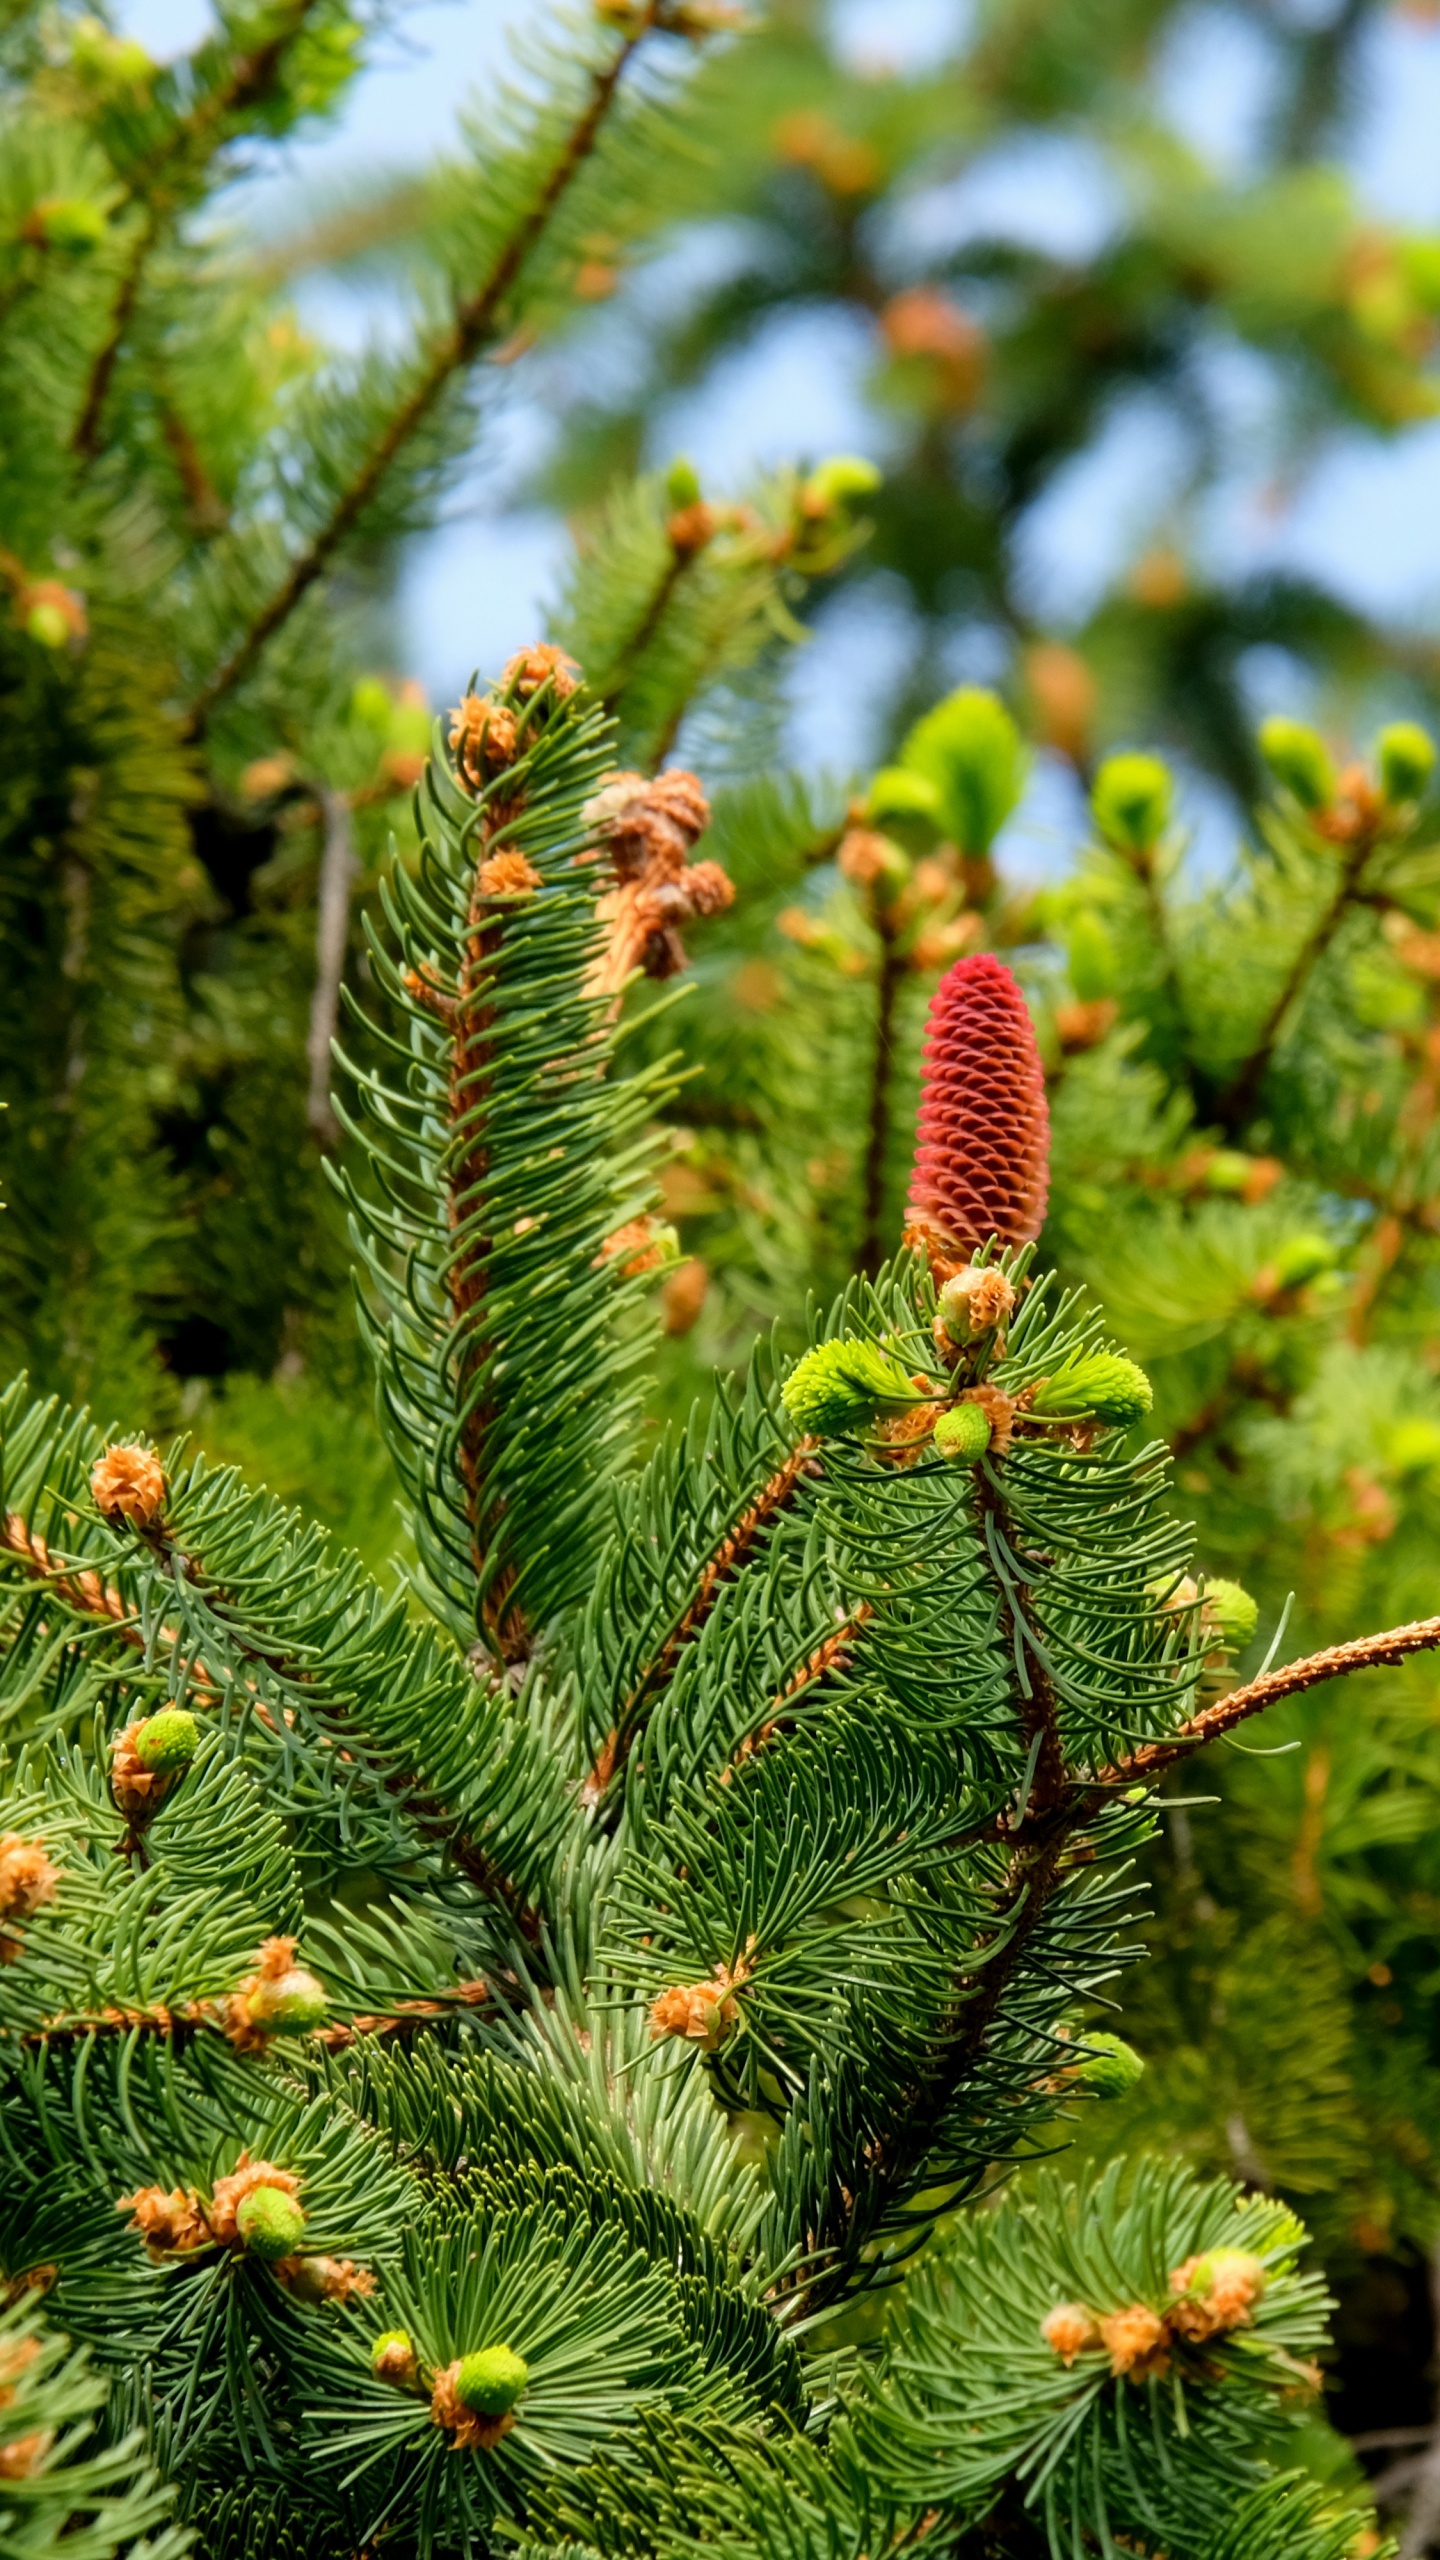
[
  {"x": 86, "y": 1593},
  {"x": 332, "y": 929},
  {"x": 1362, "y": 1653},
  {"x": 877, "y": 1140},
  {"x": 179, "y": 2025},
  {"x": 1237, "y": 1101},
  {"x": 250, "y": 82},
  {"x": 85, "y": 442},
  {"x": 653, "y": 616},
  {"x": 729, "y": 1558},
  {"x": 475, "y": 321}
]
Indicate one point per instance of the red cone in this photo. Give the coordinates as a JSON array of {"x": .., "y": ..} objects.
[{"x": 982, "y": 1152}]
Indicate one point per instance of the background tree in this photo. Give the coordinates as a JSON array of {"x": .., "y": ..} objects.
[{"x": 837, "y": 202}]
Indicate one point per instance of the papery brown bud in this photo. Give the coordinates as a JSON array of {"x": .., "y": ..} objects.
[{"x": 128, "y": 1483}]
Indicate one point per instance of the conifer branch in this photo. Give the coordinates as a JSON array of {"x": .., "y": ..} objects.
[
  {"x": 1239, "y": 1097},
  {"x": 250, "y": 82},
  {"x": 178, "y": 2024},
  {"x": 1362, "y": 1653},
  {"x": 729, "y": 1557},
  {"x": 332, "y": 931},
  {"x": 877, "y": 1137},
  {"x": 475, "y": 321},
  {"x": 84, "y": 1591}
]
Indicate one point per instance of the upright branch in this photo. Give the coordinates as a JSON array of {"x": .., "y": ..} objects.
[
  {"x": 1354, "y": 822},
  {"x": 164, "y": 181},
  {"x": 479, "y": 319}
]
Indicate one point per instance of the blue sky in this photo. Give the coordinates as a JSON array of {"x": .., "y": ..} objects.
[{"x": 1367, "y": 516}]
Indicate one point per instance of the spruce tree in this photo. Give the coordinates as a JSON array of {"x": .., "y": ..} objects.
[
  {"x": 1241, "y": 1082},
  {"x": 470, "y": 2057}
]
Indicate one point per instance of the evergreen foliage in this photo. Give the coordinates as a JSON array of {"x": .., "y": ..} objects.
[
  {"x": 467, "y": 2059},
  {"x": 1241, "y": 1087},
  {"x": 198, "y": 533}
]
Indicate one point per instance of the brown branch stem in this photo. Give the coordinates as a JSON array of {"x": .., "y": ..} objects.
[
  {"x": 162, "y": 193},
  {"x": 476, "y": 319},
  {"x": 332, "y": 930},
  {"x": 1362, "y": 1653},
  {"x": 1239, "y": 1096},
  {"x": 877, "y": 1134},
  {"x": 732, "y": 1552}
]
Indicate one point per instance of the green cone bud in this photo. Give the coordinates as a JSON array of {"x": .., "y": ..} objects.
[
  {"x": 49, "y": 624},
  {"x": 970, "y": 748},
  {"x": 490, "y": 2382},
  {"x": 289, "y": 2003},
  {"x": 1227, "y": 1171},
  {"x": 270, "y": 2223},
  {"x": 1413, "y": 1445},
  {"x": 67, "y": 222},
  {"x": 1231, "y": 1613},
  {"x": 1301, "y": 1258},
  {"x": 1106, "y": 1387},
  {"x": 963, "y": 1432},
  {"x": 906, "y": 803},
  {"x": 682, "y": 483},
  {"x": 1131, "y": 803},
  {"x": 1094, "y": 969},
  {"x": 841, "y": 1385},
  {"x": 1111, "y": 2066},
  {"x": 838, "y": 481},
  {"x": 167, "y": 1742},
  {"x": 1299, "y": 761},
  {"x": 1405, "y": 754}
]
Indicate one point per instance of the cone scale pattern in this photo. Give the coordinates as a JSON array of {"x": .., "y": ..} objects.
[{"x": 983, "y": 1143}]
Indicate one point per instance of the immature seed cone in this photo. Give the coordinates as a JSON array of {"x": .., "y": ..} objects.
[
  {"x": 128, "y": 1483},
  {"x": 983, "y": 1144}
]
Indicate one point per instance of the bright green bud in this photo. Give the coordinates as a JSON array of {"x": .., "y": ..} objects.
[
  {"x": 1111, "y": 2066},
  {"x": 970, "y": 748},
  {"x": 110, "y": 62},
  {"x": 490, "y": 2382},
  {"x": 49, "y": 624},
  {"x": 843, "y": 1384},
  {"x": 1299, "y": 761},
  {"x": 841, "y": 479},
  {"x": 67, "y": 222},
  {"x": 167, "y": 1742},
  {"x": 1420, "y": 266},
  {"x": 288, "y": 2003},
  {"x": 906, "y": 804},
  {"x": 682, "y": 483},
  {"x": 1132, "y": 801},
  {"x": 962, "y": 1432},
  {"x": 270, "y": 2223},
  {"x": 1413, "y": 1445},
  {"x": 1094, "y": 970},
  {"x": 1301, "y": 1258},
  {"x": 1406, "y": 756},
  {"x": 372, "y": 702},
  {"x": 1227, "y": 1171},
  {"x": 1230, "y": 1613},
  {"x": 1105, "y": 1387}
]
